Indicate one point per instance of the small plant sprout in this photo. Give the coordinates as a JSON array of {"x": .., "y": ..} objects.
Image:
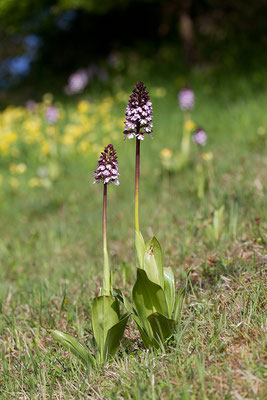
[
  {"x": 214, "y": 230},
  {"x": 155, "y": 310},
  {"x": 186, "y": 100},
  {"x": 108, "y": 324}
]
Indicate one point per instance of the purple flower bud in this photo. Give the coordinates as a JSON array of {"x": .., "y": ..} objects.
[
  {"x": 186, "y": 99},
  {"x": 200, "y": 137},
  {"x": 138, "y": 121},
  {"x": 107, "y": 167},
  {"x": 52, "y": 114}
]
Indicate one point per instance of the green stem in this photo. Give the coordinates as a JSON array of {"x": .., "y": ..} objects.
[
  {"x": 185, "y": 145},
  {"x": 106, "y": 280},
  {"x": 137, "y": 177}
]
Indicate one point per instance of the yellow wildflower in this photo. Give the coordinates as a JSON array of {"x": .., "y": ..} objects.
[
  {"x": 207, "y": 156},
  {"x": 83, "y": 106},
  {"x": 189, "y": 125},
  {"x": 6, "y": 140},
  {"x": 166, "y": 153},
  {"x": 45, "y": 148},
  {"x": 35, "y": 182},
  {"x": 17, "y": 168}
]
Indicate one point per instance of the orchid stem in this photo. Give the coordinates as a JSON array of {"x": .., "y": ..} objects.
[
  {"x": 186, "y": 136},
  {"x": 106, "y": 281},
  {"x": 137, "y": 176}
]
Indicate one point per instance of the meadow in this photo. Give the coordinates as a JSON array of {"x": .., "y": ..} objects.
[{"x": 51, "y": 249}]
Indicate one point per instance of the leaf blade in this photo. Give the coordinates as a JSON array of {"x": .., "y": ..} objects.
[
  {"x": 153, "y": 262},
  {"x": 72, "y": 344}
]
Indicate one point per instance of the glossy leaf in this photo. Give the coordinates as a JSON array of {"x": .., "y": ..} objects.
[
  {"x": 162, "y": 327},
  {"x": 140, "y": 249},
  {"x": 105, "y": 314},
  {"x": 169, "y": 289},
  {"x": 114, "y": 336},
  {"x": 148, "y": 298},
  {"x": 71, "y": 344},
  {"x": 153, "y": 262}
]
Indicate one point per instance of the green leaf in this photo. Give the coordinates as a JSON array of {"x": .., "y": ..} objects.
[
  {"x": 148, "y": 341},
  {"x": 153, "y": 262},
  {"x": 140, "y": 249},
  {"x": 120, "y": 296},
  {"x": 71, "y": 344},
  {"x": 169, "y": 289},
  {"x": 180, "y": 302},
  {"x": 162, "y": 327},
  {"x": 105, "y": 314},
  {"x": 115, "y": 335},
  {"x": 148, "y": 298}
]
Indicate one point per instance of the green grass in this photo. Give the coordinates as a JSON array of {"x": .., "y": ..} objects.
[{"x": 51, "y": 262}]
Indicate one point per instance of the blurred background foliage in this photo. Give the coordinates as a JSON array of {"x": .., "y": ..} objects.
[{"x": 47, "y": 40}]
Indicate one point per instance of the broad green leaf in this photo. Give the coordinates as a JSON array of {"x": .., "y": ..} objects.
[
  {"x": 169, "y": 289},
  {"x": 140, "y": 249},
  {"x": 153, "y": 262},
  {"x": 71, "y": 344},
  {"x": 148, "y": 298},
  {"x": 115, "y": 335},
  {"x": 180, "y": 302},
  {"x": 105, "y": 314},
  {"x": 162, "y": 327},
  {"x": 148, "y": 341}
]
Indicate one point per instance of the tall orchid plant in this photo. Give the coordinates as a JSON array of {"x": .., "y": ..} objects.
[
  {"x": 108, "y": 324},
  {"x": 155, "y": 310}
]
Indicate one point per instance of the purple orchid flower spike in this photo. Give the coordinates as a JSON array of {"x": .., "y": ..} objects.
[
  {"x": 138, "y": 121},
  {"x": 107, "y": 167}
]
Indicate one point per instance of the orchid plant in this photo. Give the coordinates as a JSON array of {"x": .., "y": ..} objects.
[
  {"x": 186, "y": 100},
  {"x": 155, "y": 310},
  {"x": 108, "y": 324},
  {"x": 200, "y": 139}
]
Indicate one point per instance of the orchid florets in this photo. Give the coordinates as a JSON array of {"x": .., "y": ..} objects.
[
  {"x": 200, "y": 137},
  {"x": 186, "y": 99},
  {"x": 107, "y": 167},
  {"x": 138, "y": 121}
]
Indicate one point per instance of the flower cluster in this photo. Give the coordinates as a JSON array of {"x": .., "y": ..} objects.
[
  {"x": 77, "y": 82},
  {"x": 107, "y": 167},
  {"x": 186, "y": 99},
  {"x": 52, "y": 114},
  {"x": 138, "y": 121},
  {"x": 200, "y": 137}
]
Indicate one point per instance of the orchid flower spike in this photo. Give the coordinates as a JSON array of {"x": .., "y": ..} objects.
[
  {"x": 138, "y": 121},
  {"x": 107, "y": 167}
]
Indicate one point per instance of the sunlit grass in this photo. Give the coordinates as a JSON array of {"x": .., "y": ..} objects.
[{"x": 51, "y": 257}]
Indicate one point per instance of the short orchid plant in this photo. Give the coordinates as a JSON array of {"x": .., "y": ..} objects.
[
  {"x": 186, "y": 100},
  {"x": 108, "y": 324},
  {"x": 155, "y": 311}
]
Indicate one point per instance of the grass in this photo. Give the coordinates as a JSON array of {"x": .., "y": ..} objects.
[{"x": 51, "y": 262}]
